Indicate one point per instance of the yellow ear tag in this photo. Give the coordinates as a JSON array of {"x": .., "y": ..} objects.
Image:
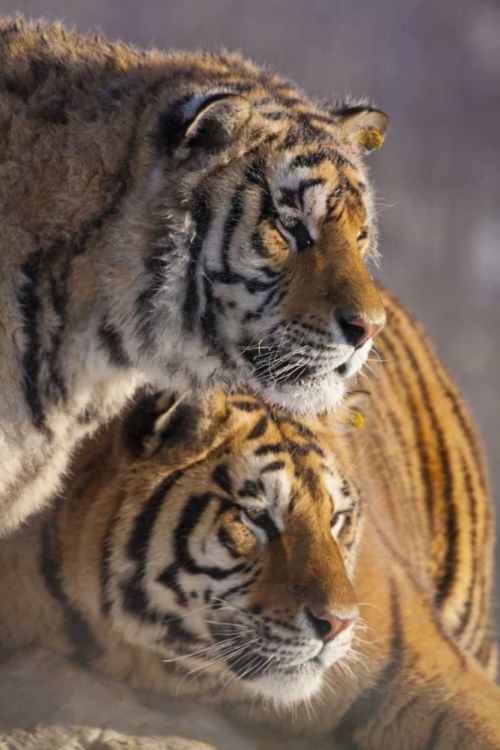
[
  {"x": 369, "y": 139},
  {"x": 357, "y": 419}
]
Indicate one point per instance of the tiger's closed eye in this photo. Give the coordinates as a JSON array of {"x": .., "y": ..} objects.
[
  {"x": 339, "y": 516},
  {"x": 362, "y": 235},
  {"x": 295, "y": 233},
  {"x": 254, "y": 514}
]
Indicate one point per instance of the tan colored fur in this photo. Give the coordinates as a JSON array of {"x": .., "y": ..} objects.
[
  {"x": 418, "y": 672},
  {"x": 139, "y": 200}
]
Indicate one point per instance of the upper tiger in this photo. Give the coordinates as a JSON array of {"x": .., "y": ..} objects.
[{"x": 184, "y": 219}]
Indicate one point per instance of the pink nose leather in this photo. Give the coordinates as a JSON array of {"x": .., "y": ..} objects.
[
  {"x": 369, "y": 330},
  {"x": 337, "y": 625}
]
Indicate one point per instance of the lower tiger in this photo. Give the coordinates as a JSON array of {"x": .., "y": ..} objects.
[{"x": 327, "y": 586}]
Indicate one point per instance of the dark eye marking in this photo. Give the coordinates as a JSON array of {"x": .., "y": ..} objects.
[
  {"x": 261, "y": 518},
  {"x": 273, "y": 466},
  {"x": 251, "y": 488},
  {"x": 295, "y": 229},
  {"x": 301, "y": 237},
  {"x": 222, "y": 479},
  {"x": 293, "y": 198},
  {"x": 362, "y": 235},
  {"x": 289, "y": 197},
  {"x": 345, "y": 489},
  {"x": 339, "y": 514}
]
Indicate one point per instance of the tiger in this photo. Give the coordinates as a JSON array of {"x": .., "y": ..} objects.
[
  {"x": 183, "y": 220},
  {"x": 322, "y": 581}
]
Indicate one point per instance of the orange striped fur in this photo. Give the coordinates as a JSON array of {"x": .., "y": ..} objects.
[{"x": 136, "y": 561}]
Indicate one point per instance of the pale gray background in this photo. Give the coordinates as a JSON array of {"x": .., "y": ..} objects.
[{"x": 434, "y": 66}]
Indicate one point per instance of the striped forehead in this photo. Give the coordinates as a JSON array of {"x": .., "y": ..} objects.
[
  {"x": 273, "y": 458},
  {"x": 307, "y": 186},
  {"x": 263, "y": 476}
]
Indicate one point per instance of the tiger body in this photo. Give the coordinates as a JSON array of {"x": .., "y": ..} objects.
[
  {"x": 160, "y": 215},
  {"x": 196, "y": 549}
]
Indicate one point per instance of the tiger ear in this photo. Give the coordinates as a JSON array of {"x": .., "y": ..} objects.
[
  {"x": 207, "y": 122},
  {"x": 365, "y": 127},
  {"x": 156, "y": 419}
]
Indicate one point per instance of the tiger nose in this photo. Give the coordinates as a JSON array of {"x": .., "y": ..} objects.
[
  {"x": 328, "y": 626},
  {"x": 358, "y": 330}
]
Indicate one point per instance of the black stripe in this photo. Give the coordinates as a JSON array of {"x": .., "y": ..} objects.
[
  {"x": 251, "y": 488},
  {"x": 283, "y": 418},
  {"x": 265, "y": 522},
  {"x": 202, "y": 216},
  {"x": 227, "y": 542},
  {"x": 253, "y": 285},
  {"x": 106, "y": 553},
  {"x": 184, "y": 562},
  {"x": 85, "y": 647},
  {"x": 232, "y": 220},
  {"x": 435, "y": 734},
  {"x": 135, "y": 598},
  {"x": 313, "y": 159},
  {"x": 441, "y": 375},
  {"x": 31, "y": 307},
  {"x": 259, "y": 247},
  {"x": 273, "y": 298},
  {"x": 209, "y": 329},
  {"x": 446, "y": 578},
  {"x": 471, "y": 496},
  {"x": 241, "y": 588},
  {"x": 265, "y": 450},
  {"x": 246, "y": 405},
  {"x": 138, "y": 543},
  {"x": 258, "y": 429},
  {"x": 112, "y": 342},
  {"x": 59, "y": 295},
  {"x": 422, "y": 453},
  {"x": 273, "y": 466},
  {"x": 221, "y": 477}
]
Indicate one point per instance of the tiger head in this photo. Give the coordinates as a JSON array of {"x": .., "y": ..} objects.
[
  {"x": 234, "y": 543},
  {"x": 254, "y": 222}
]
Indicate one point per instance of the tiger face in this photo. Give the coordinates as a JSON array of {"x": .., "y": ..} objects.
[
  {"x": 237, "y": 561},
  {"x": 258, "y": 223}
]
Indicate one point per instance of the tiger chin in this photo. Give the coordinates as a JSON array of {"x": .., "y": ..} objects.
[{"x": 186, "y": 220}]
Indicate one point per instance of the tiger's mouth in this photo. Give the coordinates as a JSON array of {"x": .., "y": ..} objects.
[
  {"x": 311, "y": 375},
  {"x": 249, "y": 663},
  {"x": 311, "y": 382},
  {"x": 291, "y": 369}
]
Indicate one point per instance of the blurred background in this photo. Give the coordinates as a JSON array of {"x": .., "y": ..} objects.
[{"x": 434, "y": 67}]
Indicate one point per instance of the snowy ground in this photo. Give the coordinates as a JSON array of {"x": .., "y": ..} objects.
[{"x": 48, "y": 704}]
